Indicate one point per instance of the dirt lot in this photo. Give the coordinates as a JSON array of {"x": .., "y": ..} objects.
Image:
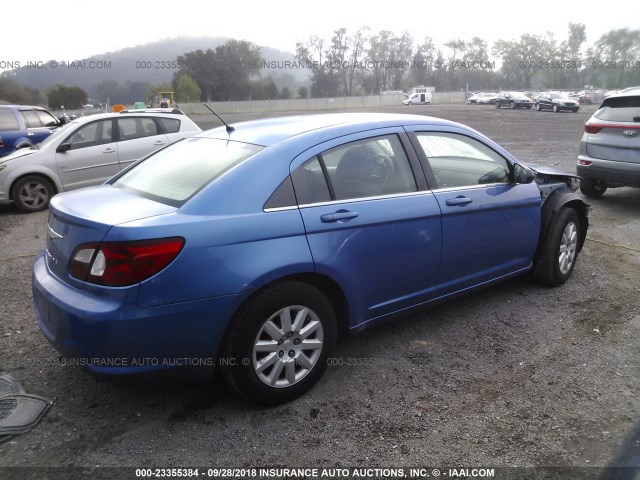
[{"x": 516, "y": 375}]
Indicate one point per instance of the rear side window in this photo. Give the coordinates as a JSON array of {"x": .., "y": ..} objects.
[
  {"x": 369, "y": 168},
  {"x": 620, "y": 109},
  {"x": 170, "y": 125},
  {"x": 31, "y": 119},
  {"x": 139, "y": 127},
  {"x": 8, "y": 120},
  {"x": 174, "y": 174}
]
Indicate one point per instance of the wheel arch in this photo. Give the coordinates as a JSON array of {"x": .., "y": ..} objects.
[
  {"x": 550, "y": 210},
  {"x": 324, "y": 284},
  {"x": 22, "y": 143},
  {"x": 45, "y": 176}
]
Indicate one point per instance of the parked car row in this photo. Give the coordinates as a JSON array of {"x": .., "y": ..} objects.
[{"x": 86, "y": 151}]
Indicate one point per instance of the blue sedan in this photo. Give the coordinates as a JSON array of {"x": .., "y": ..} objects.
[{"x": 252, "y": 248}]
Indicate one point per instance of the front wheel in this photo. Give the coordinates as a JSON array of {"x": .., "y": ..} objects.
[
  {"x": 592, "y": 188},
  {"x": 560, "y": 251},
  {"x": 32, "y": 193},
  {"x": 497, "y": 105},
  {"x": 537, "y": 106},
  {"x": 512, "y": 105},
  {"x": 555, "y": 109},
  {"x": 277, "y": 347}
]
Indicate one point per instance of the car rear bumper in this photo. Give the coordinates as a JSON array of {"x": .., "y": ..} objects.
[
  {"x": 616, "y": 174},
  {"x": 112, "y": 335}
]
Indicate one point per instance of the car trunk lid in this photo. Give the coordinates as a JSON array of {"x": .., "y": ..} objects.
[{"x": 83, "y": 216}]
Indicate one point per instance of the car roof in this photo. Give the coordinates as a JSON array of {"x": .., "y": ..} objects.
[
  {"x": 631, "y": 91},
  {"x": 270, "y": 131},
  {"x": 23, "y": 107}
]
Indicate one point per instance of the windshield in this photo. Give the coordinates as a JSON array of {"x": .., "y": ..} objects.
[
  {"x": 55, "y": 136},
  {"x": 620, "y": 109},
  {"x": 176, "y": 173},
  {"x": 559, "y": 95}
]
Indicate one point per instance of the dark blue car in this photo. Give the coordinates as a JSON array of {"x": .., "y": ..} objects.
[
  {"x": 254, "y": 248},
  {"x": 24, "y": 126}
]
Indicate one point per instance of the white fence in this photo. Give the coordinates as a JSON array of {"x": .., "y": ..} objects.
[{"x": 297, "y": 104}]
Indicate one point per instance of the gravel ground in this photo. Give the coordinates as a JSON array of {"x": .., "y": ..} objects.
[{"x": 515, "y": 375}]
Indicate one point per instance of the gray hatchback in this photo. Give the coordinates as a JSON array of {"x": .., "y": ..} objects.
[{"x": 610, "y": 148}]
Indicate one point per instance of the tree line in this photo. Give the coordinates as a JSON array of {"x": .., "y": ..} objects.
[{"x": 366, "y": 62}]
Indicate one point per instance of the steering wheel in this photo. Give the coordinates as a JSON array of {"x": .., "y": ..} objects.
[
  {"x": 383, "y": 170},
  {"x": 496, "y": 175}
]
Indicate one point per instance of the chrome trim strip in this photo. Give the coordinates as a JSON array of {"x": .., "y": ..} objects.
[
  {"x": 365, "y": 199},
  {"x": 470, "y": 187},
  {"x": 279, "y": 209}
]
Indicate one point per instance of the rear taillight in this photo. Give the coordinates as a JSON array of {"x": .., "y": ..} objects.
[
  {"x": 1, "y": 143},
  {"x": 118, "y": 264},
  {"x": 585, "y": 163},
  {"x": 593, "y": 127}
]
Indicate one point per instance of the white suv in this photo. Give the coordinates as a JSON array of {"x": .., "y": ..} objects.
[{"x": 87, "y": 151}]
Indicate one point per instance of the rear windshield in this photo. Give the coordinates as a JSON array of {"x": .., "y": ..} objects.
[
  {"x": 177, "y": 172},
  {"x": 620, "y": 109}
]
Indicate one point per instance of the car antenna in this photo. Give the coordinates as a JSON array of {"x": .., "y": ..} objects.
[{"x": 228, "y": 127}]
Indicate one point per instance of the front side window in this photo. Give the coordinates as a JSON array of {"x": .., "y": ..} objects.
[
  {"x": 460, "y": 161},
  {"x": 46, "y": 118},
  {"x": 174, "y": 174},
  {"x": 91, "y": 135}
]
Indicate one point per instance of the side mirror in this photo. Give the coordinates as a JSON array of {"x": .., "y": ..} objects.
[
  {"x": 63, "y": 147},
  {"x": 522, "y": 174}
]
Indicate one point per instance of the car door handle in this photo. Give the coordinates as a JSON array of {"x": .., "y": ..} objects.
[
  {"x": 452, "y": 202},
  {"x": 108, "y": 150},
  {"x": 336, "y": 217},
  {"x": 159, "y": 142},
  {"x": 29, "y": 134}
]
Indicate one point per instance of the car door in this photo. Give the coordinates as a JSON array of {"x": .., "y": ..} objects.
[
  {"x": 36, "y": 131},
  {"x": 545, "y": 101},
  {"x": 88, "y": 155},
  {"x": 371, "y": 224},
  {"x": 138, "y": 136},
  {"x": 490, "y": 224}
]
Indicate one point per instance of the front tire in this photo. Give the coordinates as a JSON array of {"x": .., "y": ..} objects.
[
  {"x": 555, "y": 109},
  {"x": 277, "y": 347},
  {"x": 592, "y": 188},
  {"x": 32, "y": 193},
  {"x": 560, "y": 251},
  {"x": 512, "y": 105},
  {"x": 538, "y": 107}
]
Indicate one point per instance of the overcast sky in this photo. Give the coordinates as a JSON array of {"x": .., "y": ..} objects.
[{"x": 68, "y": 30}]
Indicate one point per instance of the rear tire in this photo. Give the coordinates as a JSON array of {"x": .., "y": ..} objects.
[
  {"x": 32, "y": 193},
  {"x": 555, "y": 109},
  {"x": 277, "y": 347},
  {"x": 560, "y": 251},
  {"x": 512, "y": 105},
  {"x": 592, "y": 188}
]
